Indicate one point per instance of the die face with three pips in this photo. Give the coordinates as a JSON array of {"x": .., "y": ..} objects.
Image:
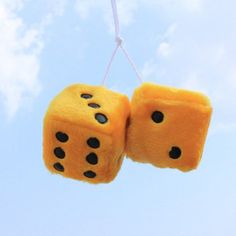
[
  {"x": 84, "y": 133},
  {"x": 168, "y": 126}
]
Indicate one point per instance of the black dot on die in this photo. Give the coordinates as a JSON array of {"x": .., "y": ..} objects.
[
  {"x": 93, "y": 142},
  {"x": 94, "y": 105},
  {"x": 59, "y": 153},
  {"x": 62, "y": 137},
  {"x": 92, "y": 158},
  {"x": 157, "y": 116},
  {"x": 101, "y": 118},
  {"x": 86, "y": 95},
  {"x": 58, "y": 167},
  {"x": 175, "y": 153},
  {"x": 90, "y": 174}
]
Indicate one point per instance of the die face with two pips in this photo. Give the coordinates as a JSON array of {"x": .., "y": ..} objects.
[
  {"x": 84, "y": 133},
  {"x": 168, "y": 127}
]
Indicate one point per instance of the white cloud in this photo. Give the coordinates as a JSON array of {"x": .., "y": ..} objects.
[
  {"x": 57, "y": 8},
  {"x": 149, "y": 69},
  {"x": 20, "y": 49},
  {"x": 127, "y": 9},
  {"x": 193, "y": 5},
  {"x": 164, "y": 49},
  {"x": 84, "y": 7},
  {"x": 170, "y": 31},
  {"x": 12, "y": 5}
]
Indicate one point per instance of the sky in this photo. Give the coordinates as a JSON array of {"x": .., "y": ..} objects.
[{"x": 46, "y": 45}]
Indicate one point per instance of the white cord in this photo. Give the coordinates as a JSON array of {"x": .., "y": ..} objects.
[{"x": 119, "y": 42}]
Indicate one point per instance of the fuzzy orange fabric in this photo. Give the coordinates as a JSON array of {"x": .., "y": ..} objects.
[
  {"x": 168, "y": 126},
  {"x": 84, "y": 133}
]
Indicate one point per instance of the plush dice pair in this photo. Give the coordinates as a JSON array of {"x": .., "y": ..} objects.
[{"x": 89, "y": 129}]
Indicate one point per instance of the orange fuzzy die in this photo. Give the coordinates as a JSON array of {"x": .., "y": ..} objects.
[
  {"x": 168, "y": 126},
  {"x": 84, "y": 133}
]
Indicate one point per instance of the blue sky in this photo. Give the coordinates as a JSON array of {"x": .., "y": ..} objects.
[{"x": 46, "y": 45}]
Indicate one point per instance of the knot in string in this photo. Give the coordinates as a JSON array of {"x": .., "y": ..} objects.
[
  {"x": 119, "y": 40},
  {"x": 119, "y": 44}
]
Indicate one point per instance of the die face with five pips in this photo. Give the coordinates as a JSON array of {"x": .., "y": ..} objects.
[
  {"x": 84, "y": 133},
  {"x": 168, "y": 126}
]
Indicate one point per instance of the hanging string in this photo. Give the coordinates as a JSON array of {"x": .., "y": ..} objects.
[{"x": 119, "y": 44}]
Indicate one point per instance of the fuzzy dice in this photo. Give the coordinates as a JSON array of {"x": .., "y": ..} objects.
[
  {"x": 168, "y": 126},
  {"x": 84, "y": 133}
]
